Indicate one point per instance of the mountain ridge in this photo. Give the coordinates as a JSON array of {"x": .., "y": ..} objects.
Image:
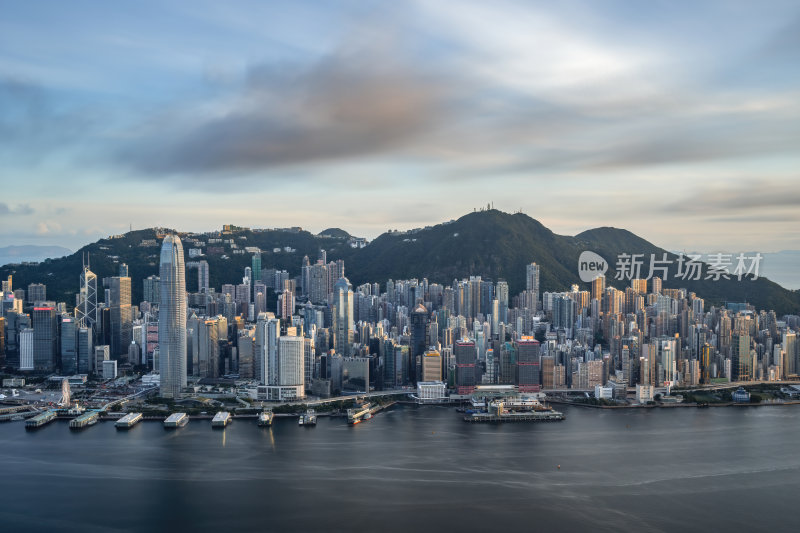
[{"x": 489, "y": 243}]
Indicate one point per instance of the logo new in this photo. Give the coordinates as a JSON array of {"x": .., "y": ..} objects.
[{"x": 591, "y": 265}]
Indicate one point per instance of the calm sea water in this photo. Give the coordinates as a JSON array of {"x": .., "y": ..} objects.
[{"x": 412, "y": 469}]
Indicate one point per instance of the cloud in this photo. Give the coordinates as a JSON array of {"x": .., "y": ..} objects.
[
  {"x": 18, "y": 210},
  {"x": 736, "y": 200},
  {"x": 48, "y": 227},
  {"x": 363, "y": 99}
]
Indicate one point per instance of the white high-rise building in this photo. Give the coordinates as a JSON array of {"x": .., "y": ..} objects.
[
  {"x": 172, "y": 318},
  {"x": 268, "y": 329},
  {"x": 291, "y": 352}
]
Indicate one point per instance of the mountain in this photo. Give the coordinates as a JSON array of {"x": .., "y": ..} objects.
[
  {"x": 488, "y": 243},
  {"x": 499, "y": 245},
  {"x": 30, "y": 252},
  {"x": 336, "y": 233}
]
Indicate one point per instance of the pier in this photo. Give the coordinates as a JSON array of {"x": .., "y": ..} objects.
[
  {"x": 128, "y": 421},
  {"x": 176, "y": 420},
  {"x": 221, "y": 419},
  {"x": 533, "y": 416},
  {"x": 40, "y": 420},
  {"x": 89, "y": 418}
]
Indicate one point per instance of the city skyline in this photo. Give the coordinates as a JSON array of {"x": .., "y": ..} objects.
[{"x": 399, "y": 117}]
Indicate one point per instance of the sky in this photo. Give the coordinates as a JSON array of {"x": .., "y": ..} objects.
[{"x": 679, "y": 121}]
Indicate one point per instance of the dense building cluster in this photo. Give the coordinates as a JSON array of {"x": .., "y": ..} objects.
[{"x": 310, "y": 332}]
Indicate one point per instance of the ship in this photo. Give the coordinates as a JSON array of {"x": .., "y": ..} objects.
[
  {"x": 308, "y": 419},
  {"x": 221, "y": 419},
  {"x": 176, "y": 420},
  {"x": 128, "y": 421},
  {"x": 89, "y": 418},
  {"x": 265, "y": 418}
]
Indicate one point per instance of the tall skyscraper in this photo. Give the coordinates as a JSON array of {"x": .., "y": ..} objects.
[
  {"x": 87, "y": 299},
  {"x": 318, "y": 283},
  {"x": 741, "y": 362},
  {"x": 465, "y": 355},
  {"x": 151, "y": 285},
  {"x": 598, "y": 287},
  {"x": 291, "y": 372},
  {"x": 85, "y": 350},
  {"x": 418, "y": 342},
  {"x": 255, "y": 265},
  {"x": 208, "y": 348},
  {"x": 527, "y": 371},
  {"x": 119, "y": 291},
  {"x": 45, "y": 339},
  {"x": 69, "y": 345},
  {"x": 790, "y": 346},
  {"x": 202, "y": 274},
  {"x": 343, "y": 317},
  {"x": 501, "y": 293},
  {"x": 172, "y": 318},
  {"x": 532, "y": 283}
]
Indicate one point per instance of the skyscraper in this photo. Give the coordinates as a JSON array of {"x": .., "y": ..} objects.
[
  {"x": 151, "y": 292},
  {"x": 418, "y": 342},
  {"x": 121, "y": 314},
  {"x": 69, "y": 345},
  {"x": 87, "y": 299},
  {"x": 318, "y": 283},
  {"x": 291, "y": 372},
  {"x": 598, "y": 287},
  {"x": 465, "y": 356},
  {"x": 37, "y": 293},
  {"x": 256, "y": 266},
  {"x": 45, "y": 339},
  {"x": 532, "y": 284},
  {"x": 501, "y": 293},
  {"x": 741, "y": 362},
  {"x": 172, "y": 318},
  {"x": 343, "y": 317},
  {"x": 527, "y": 371}
]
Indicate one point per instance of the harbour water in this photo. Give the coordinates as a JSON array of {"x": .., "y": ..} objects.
[{"x": 412, "y": 469}]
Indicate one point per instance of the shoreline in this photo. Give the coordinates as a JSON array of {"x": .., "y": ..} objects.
[{"x": 678, "y": 405}]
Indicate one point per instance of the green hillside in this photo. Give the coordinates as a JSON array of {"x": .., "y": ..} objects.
[{"x": 490, "y": 243}]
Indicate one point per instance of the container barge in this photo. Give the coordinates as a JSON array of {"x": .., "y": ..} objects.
[{"x": 128, "y": 421}]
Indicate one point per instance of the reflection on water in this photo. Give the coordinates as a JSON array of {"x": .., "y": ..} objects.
[{"x": 414, "y": 468}]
